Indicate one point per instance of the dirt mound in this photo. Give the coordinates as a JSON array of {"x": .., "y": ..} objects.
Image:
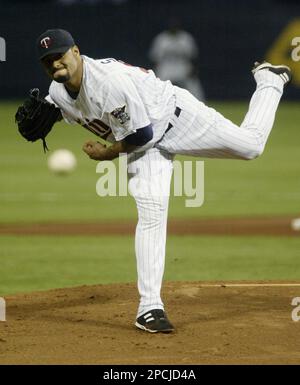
[
  {"x": 249, "y": 323},
  {"x": 280, "y": 226}
]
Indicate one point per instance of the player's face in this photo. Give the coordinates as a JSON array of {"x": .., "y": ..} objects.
[{"x": 62, "y": 67}]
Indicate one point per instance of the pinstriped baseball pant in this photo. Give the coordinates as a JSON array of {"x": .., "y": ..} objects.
[
  {"x": 150, "y": 176},
  {"x": 199, "y": 131}
]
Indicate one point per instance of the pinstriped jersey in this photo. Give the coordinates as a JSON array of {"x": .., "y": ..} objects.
[{"x": 116, "y": 99}]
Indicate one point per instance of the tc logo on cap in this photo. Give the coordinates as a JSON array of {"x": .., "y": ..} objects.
[{"x": 46, "y": 42}]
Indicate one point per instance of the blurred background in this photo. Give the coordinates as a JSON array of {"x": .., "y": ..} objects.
[
  {"x": 229, "y": 36},
  {"x": 207, "y": 46}
]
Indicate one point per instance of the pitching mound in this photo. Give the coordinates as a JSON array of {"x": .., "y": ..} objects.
[
  {"x": 263, "y": 226},
  {"x": 215, "y": 324}
]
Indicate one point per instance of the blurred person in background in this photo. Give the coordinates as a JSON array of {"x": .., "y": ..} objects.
[{"x": 174, "y": 53}]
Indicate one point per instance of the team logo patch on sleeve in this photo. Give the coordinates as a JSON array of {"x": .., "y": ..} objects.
[{"x": 121, "y": 115}]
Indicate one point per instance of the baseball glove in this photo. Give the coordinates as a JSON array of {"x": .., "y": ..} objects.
[{"x": 36, "y": 117}]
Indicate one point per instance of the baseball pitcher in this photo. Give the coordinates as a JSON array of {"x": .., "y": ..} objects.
[{"x": 152, "y": 121}]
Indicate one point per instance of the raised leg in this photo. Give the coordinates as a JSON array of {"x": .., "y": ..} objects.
[{"x": 201, "y": 131}]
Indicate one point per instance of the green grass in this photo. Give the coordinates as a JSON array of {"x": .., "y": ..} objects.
[
  {"x": 30, "y": 193},
  {"x": 41, "y": 263}
]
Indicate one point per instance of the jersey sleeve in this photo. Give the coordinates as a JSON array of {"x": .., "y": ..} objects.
[
  {"x": 50, "y": 100},
  {"x": 124, "y": 107},
  {"x": 64, "y": 115}
]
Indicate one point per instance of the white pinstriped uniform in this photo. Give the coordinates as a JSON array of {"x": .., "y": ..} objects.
[{"x": 198, "y": 130}]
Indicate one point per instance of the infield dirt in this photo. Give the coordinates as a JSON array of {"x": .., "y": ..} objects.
[
  {"x": 280, "y": 226},
  {"x": 95, "y": 325}
]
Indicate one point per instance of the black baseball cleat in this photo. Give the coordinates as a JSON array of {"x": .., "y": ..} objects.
[
  {"x": 154, "y": 321},
  {"x": 281, "y": 70}
]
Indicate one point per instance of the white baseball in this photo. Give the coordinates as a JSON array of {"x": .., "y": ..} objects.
[
  {"x": 62, "y": 162},
  {"x": 295, "y": 224}
]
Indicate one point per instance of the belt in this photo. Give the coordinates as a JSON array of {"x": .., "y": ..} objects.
[{"x": 177, "y": 113}]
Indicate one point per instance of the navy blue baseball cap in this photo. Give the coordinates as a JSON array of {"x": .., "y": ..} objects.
[{"x": 54, "y": 41}]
